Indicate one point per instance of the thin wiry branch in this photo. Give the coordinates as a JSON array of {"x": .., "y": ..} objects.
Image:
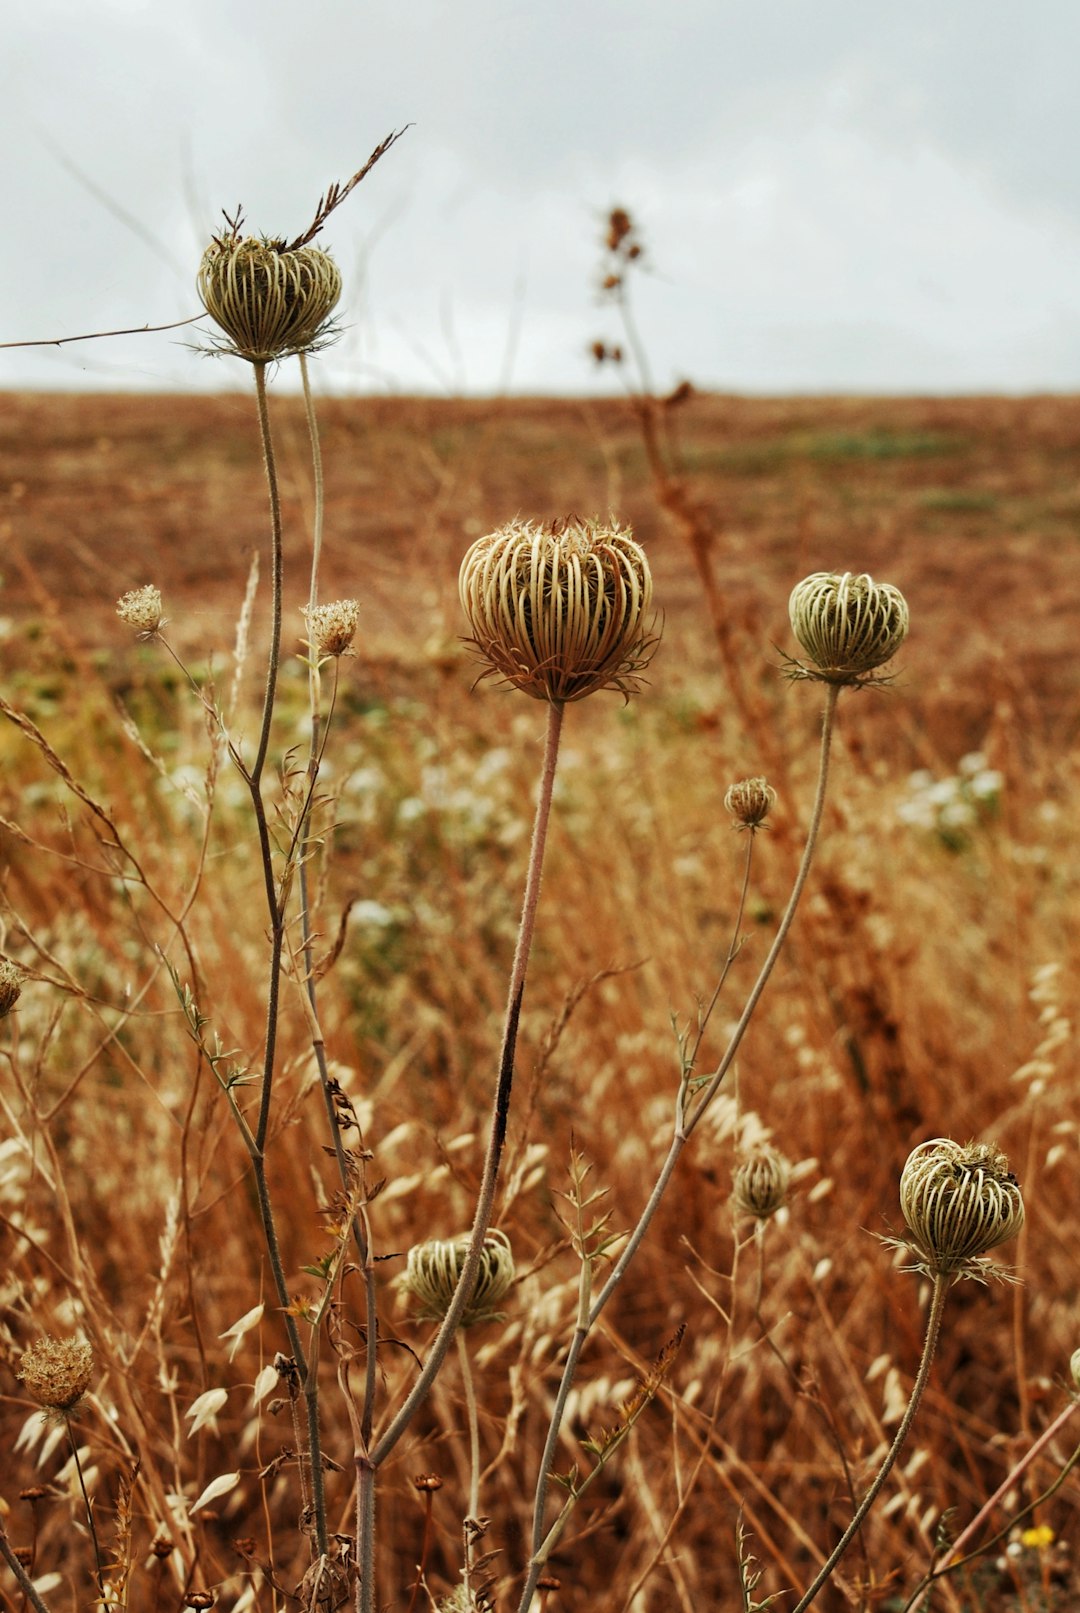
[{"x": 337, "y": 193}]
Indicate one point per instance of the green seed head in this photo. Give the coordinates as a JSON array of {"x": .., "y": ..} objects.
[
  {"x": 269, "y": 301},
  {"x": 559, "y": 611},
  {"x": 847, "y": 624},
  {"x": 959, "y": 1202},
  {"x": 432, "y": 1271}
]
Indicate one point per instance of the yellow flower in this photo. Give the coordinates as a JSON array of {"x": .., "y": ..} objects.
[{"x": 1039, "y": 1538}]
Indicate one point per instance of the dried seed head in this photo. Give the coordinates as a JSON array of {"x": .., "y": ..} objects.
[
  {"x": 1074, "y": 1368},
  {"x": 432, "y": 1271},
  {"x": 427, "y": 1482},
  {"x": 847, "y": 624},
  {"x": 559, "y": 611},
  {"x": 11, "y": 985},
  {"x": 959, "y": 1201},
  {"x": 760, "y": 1184},
  {"x": 269, "y": 301},
  {"x": 141, "y": 609},
  {"x": 750, "y": 801},
  {"x": 331, "y": 628},
  {"x": 57, "y": 1371}
]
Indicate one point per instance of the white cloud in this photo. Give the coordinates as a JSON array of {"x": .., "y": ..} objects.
[{"x": 835, "y": 194}]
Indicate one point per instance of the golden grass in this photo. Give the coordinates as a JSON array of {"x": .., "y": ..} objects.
[{"x": 925, "y": 990}]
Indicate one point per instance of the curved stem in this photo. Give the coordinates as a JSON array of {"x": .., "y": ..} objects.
[
  {"x": 933, "y": 1331},
  {"x": 500, "y": 1105},
  {"x": 486, "y": 1197},
  {"x": 683, "y": 1129}
]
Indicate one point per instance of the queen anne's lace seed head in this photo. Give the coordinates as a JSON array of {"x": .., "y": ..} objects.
[
  {"x": 331, "y": 628},
  {"x": 433, "y": 1268},
  {"x": 750, "y": 801},
  {"x": 11, "y": 985},
  {"x": 140, "y": 608},
  {"x": 270, "y": 302},
  {"x": 959, "y": 1202},
  {"x": 559, "y": 611},
  {"x": 761, "y": 1182},
  {"x": 847, "y": 624},
  {"x": 56, "y": 1372}
]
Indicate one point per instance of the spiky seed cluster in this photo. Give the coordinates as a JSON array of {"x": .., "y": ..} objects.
[
  {"x": 559, "y": 611},
  {"x": 140, "y": 608},
  {"x": 56, "y": 1372},
  {"x": 848, "y": 624},
  {"x": 432, "y": 1271},
  {"x": 11, "y": 985},
  {"x": 959, "y": 1202},
  {"x": 270, "y": 302},
  {"x": 760, "y": 1184},
  {"x": 749, "y": 802},
  {"x": 331, "y": 628}
]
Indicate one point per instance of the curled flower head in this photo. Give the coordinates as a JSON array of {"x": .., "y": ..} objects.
[
  {"x": 140, "y": 608},
  {"x": 750, "y": 801},
  {"x": 760, "y": 1184},
  {"x": 56, "y": 1372},
  {"x": 559, "y": 611},
  {"x": 11, "y": 985},
  {"x": 847, "y": 624},
  {"x": 269, "y": 300},
  {"x": 432, "y": 1271},
  {"x": 959, "y": 1202},
  {"x": 331, "y": 628}
]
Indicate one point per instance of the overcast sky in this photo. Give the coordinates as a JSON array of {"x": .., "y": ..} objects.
[{"x": 836, "y": 195}]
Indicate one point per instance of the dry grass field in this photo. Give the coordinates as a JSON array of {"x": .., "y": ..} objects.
[{"x": 926, "y": 990}]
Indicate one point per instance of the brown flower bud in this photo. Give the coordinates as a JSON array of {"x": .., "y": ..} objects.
[{"x": 750, "y": 801}]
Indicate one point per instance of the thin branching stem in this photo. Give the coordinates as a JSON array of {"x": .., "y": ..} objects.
[
  {"x": 257, "y": 1141},
  {"x": 685, "y": 1123},
  {"x": 933, "y": 1332},
  {"x": 493, "y": 1157}
]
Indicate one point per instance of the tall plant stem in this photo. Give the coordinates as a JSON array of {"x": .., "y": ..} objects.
[
  {"x": 274, "y": 657},
  {"x": 91, "y": 1525},
  {"x": 473, "y": 1508},
  {"x": 318, "y": 741},
  {"x": 257, "y": 1143},
  {"x": 496, "y": 1140},
  {"x": 686, "y": 1121},
  {"x": 933, "y": 1332}
]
